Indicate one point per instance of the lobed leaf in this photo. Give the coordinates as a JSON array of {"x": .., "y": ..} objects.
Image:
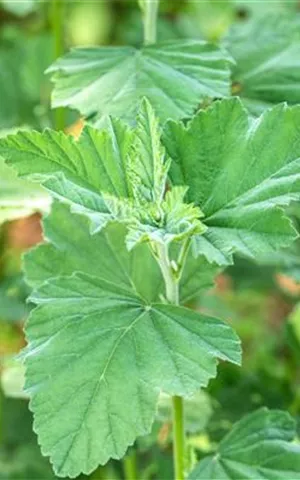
[
  {"x": 76, "y": 172},
  {"x": 258, "y": 447},
  {"x": 100, "y": 347},
  {"x": 241, "y": 172},
  {"x": 266, "y": 51},
  {"x": 174, "y": 76}
]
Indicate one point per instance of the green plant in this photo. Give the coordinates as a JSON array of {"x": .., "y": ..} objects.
[{"x": 148, "y": 208}]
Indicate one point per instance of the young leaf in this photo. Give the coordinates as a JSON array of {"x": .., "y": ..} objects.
[
  {"x": 258, "y": 446},
  {"x": 75, "y": 171},
  {"x": 148, "y": 166},
  {"x": 266, "y": 51},
  {"x": 239, "y": 171},
  {"x": 105, "y": 255},
  {"x": 174, "y": 76},
  {"x": 98, "y": 356}
]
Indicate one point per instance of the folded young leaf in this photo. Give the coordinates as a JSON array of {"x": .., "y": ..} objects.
[
  {"x": 240, "y": 171},
  {"x": 97, "y": 357},
  {"x": 73, "y": 249},
  {"x": 267, "y": 69},
  {"x": 148, "y": 165},
  {"x": 258, "y": 447},
  {"x": 175, "y": 76},
  {"x": 75, "y": 171}
]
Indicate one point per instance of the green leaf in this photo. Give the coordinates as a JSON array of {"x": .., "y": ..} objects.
[
  {"x": 171, "y": 220},
  {"x": 174, "y": 76},
  {"x": 148, "y": 167},
  {"x": 258, "y": 447},
  {"x": 97, "y": 358},
  {"x": 266, "y": 54},
  {"x": 19, "y": 8},
  {"x": 104, "y": 255},
  {"x": 240, "y": 171},
  {"x": 19, "y": 198},
  {"x": 75, "y": 171}
]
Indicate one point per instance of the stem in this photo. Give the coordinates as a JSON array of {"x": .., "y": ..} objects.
[
  {"x": 57, "y": 21},
  {"x": 178, "y": 437},
  {"x": 171, "y": 279},
  {"x": 150, "y": 8},
  {"x": 130, "y": 466}
]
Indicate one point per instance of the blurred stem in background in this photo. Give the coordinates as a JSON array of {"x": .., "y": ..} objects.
[
  {"x": 57, "y": 22},
  {"x": 150, "y": 11},
  {"x": 130, "y": 465}
]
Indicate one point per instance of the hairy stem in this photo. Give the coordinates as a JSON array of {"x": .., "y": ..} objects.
[
  {"x": 130, "y": 466},
  {"x": 171, "y": 277},
  {"x": 57, "y": 22},
  {"x": 150, "y": 9}
]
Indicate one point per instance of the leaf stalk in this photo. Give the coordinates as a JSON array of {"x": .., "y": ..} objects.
[{"x": 171, "y": 279}]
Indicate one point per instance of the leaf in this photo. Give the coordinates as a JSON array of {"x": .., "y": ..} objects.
[
  {"x": 75, "y": 171},
  {"x": 148, "y": 166},
  {"x": 241, "y": 172},
  {"x": 175, "y": 76},
  {"x": 88, "y": 335},
  {"x": 72, "y": 249},
  {"x": 258, "y": 447},
  {"x": 266, "y": 50},
  {"x": 19, "y": 198},
  {"x": 170, "y": 221}
]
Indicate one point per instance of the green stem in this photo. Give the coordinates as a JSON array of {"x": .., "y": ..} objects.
[
  {"x": 150, "y": 9},
  {"x": 171, "y": 278},
  {"x": 130, "y": 466},
  {"x": 57, "y": 22},
  {"x": 178, "y": 437}
]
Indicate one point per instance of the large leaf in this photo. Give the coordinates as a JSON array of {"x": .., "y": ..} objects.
[
  {"x": 75, "y": 171},
  {"x": 258, "y": 447},
  {"x": 240, "y": 172},
  {"x": 266, "y": 52},
  {"x": 72, "y": 249},
  {"x": 92, "y": 331},
  {"x": 175, "y": 77}
]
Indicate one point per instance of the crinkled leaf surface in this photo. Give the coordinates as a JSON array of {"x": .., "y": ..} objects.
[
  {"x": 267, "y": 52},
  {"x": 240, "y": 171},
  {"x": 72, "y": 248},
  {"x": 175, "y": 76},
  {"x": 99, "y": 353},
  {"x": 75, "y": 171},
  {"x": 258, "y": 447}
]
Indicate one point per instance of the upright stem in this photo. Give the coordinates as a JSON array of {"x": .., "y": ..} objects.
[
  {"x": 171, "y": 278},
  {"x": 130, "y": 466},
  {"x": 57, "y": 21},
  {"x": 150, "y": 9}
]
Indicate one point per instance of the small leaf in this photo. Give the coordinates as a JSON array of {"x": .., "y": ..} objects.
[
  {"x": 174, "y": 76},
  {"x": 240, "y": 172},
  {"x": 266, "y": 50},
  {"x": 148, "y": 167},
  {"x": 258, "y": 447},
  {"x": 105, "y": 255}
]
